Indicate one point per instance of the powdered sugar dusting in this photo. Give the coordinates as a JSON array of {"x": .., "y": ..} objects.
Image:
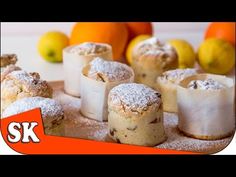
[
  {"x": 88, "y": 48},
  {"x": 135, "y": 97},
  {"x": 177, "y": 75},
  {"x": 7, "y": 70},
  {"x": 178, "y": 141},
  {"x": 208, "y": 84},
  {"x": 30, "y": 79},
  {"x": 108, "y": 70},
  {"x": 154, "y": 46},
  {"x": 78, "y": 126},
  {"x": 22, "y": 76},
  {"x": 49, "y": 107}
]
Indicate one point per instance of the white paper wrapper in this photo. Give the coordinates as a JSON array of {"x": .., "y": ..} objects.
[
  {"x": 206, "y": 114},
  {"x": 94, "y": 95},
  {"x": 73, "y": 64}
]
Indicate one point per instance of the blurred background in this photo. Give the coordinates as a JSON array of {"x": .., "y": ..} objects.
[
  {"x": 39, "y": 28},
  {"x": 23, "y": 39}
]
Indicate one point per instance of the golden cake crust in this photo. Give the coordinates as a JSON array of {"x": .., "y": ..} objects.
[
  {"x": 90, "y": 48},
  {"x": 133, "y": 99},
  {"x": 154, "y": 54},
  {"x": 175, "y": 76},
  {"x": 52, "y": 112},
  {"x": 20, "y": 84},
  {"x": 150, "y": 59},
  {"x": 30, "y": 83},
  {"x": 7, "y": 59},
  {"x": 7, "y": 70},
  {"x": 108, "y": 71}
]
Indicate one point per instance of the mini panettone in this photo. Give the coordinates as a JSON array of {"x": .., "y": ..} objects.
[
  {"x": 151, "y": 58},
  {"x": 52, "y": 112},
  {"x": 206, "y": 106},
  {"x": 20, "y": 84},
  {"x": 97, "y": 79},
  {"x": 167, "y": 85},
  {"x": 76, "y": 57},
  {"x": 135, "y": 115},
  {"x": 8, "y": 62}
]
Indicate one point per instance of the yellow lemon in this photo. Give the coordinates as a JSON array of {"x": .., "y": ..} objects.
[
  {"x": 185, "y": 51},
  {"x": 132, "y": 44},
  {"x": 51, "y": 44},
  {"x": 216, "y": 56}
]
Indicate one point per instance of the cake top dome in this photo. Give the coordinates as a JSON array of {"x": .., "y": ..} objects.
[
  {"x": 153, "y": 46},
  {"x": 134, "y": 97},
  {"x": 175, "y": 76},
  {"x": 108, "y": 71},
  {"x": 29, "y": 82},
  {"x": 49, "y": 107},
  {"x": 89, "y": 48}
]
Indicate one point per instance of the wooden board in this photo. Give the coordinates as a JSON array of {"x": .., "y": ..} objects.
[{"x": 78, "y": 126}]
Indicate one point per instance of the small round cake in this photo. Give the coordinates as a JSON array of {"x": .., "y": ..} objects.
[
  {"x": 167, "y": 85},
  {"x": 52, "y": 112},
  {"x": 97, "y": 79},
  {"x": 20, "y": 84},
  {"x": 151, "y": 58},
  {"x": 78, "y": 56},
  {"x": 135, "y": 115},
  {"x": 206, "y": 106},
  {"x": 8, "y": 62}
]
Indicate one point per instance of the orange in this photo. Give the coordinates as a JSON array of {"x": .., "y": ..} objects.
[
  {"x": 138, "y": 28},
  {"x": 221, "y": 30},
  {"x": 112, "y": 33}
]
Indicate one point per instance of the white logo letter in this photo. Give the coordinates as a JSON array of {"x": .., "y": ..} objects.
[
  {"x": 14, "y": 132},
  {"x": 28, "y": 132}
]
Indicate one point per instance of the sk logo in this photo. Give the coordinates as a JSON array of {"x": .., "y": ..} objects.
[{"x": 23, "y": 132}]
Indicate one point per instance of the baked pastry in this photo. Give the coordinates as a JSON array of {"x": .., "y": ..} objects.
[
  {"x": 20, "y": 84},
  {"x": 52, "y": 112},
  {"x": 206, "y": 106},
  {"x": 8, "y": 59},
  {"x": 135, "y": 115},
  {"x": 76, "y": 57},
  {"x": 150, "y": 59},
  {"x": 8, "y": 62},
  {"x": 167, "y": 85},
  {"x": 97, "y": 79}
]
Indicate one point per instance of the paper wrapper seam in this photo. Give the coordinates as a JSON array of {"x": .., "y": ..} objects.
[
  {"x": 73, "y": 64},
  {"x": 206, "y": 113},
  {"x": 94, "y": 95}
]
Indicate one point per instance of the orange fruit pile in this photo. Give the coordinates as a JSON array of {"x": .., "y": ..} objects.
[
  {"x": 116, "y": 34},
  {"x": 221, "y": 30},
  {"x": 138, "y": 28}
]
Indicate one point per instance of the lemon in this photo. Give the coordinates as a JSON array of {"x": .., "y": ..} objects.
[
  {"x": 185, "y": 51},
  {"x": 51, "y": 44},
  {"x": 132, "y": 44},
  {"x": 216, "y": 56}
]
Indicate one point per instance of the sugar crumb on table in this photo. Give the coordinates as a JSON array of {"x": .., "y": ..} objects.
[{"x": 81, "y": 127}]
